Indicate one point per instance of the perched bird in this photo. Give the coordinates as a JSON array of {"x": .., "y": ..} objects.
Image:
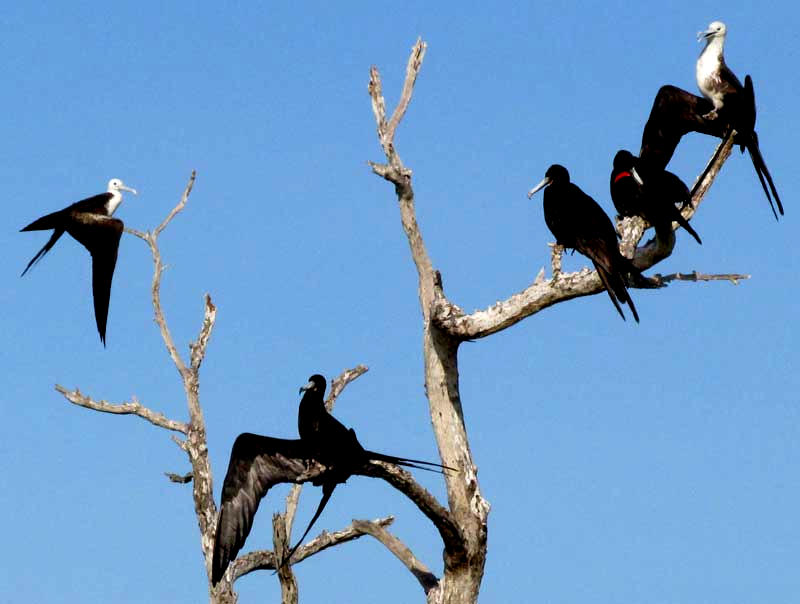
[
  {"x": 90, "y": 222},
  {"x": 652, "y": 196},
  {"x": 258, "y": 462},
  {"x": 578, "y": 222},
  {"x": 733, "y": 104}
]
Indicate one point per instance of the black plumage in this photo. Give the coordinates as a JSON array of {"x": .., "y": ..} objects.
[
  {"x": 90, "y": 222},
  {"x": 578, "y": 222},
  {"x": 651, "y": 194},
  {"x": 675, "y": 112},
  {"x": 734, "y": 105},
  {"x": 258, "y": 462}
]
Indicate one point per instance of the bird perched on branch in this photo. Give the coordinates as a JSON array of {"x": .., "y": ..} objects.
[
  {"x": 578, "y": 222},
  {"x": 651, "y": 194},
  {"x": 90, "y": 222},
  {"x": 258, "y": 463},
  {"x": 733, "y": 104}
]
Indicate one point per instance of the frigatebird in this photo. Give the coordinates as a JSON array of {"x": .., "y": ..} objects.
[
  {"x": 258, "y": 463},
  {"x": 577, "y": 221},
  {"x": 733, "y": 104},
  {"x": 651, "y": 194},
  {"x": 90, "y": 222}
]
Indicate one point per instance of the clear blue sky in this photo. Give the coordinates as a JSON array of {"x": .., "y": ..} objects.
[{"x": 624, "y": 463}]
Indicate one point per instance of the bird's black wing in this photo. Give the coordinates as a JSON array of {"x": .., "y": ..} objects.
[
  {"x": 100, "y": 235},
  {"x": 596, "y": 238},
  {"x": 94, "y": 204},
  {"x": 675, "y": 112},
  {"x": 664, "y": 191},
  {"x": 257, "y": 463}
]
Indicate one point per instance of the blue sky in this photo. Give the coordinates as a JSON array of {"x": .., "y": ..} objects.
[{"x": 653, "y": 463}]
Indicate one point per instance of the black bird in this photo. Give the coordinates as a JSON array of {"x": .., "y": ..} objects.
[
  {"x": 578, "y": 222},
  {"x": 733, "y": 104},
  {"x": 649, "y": 194},
  {"x": 258, "y": 462},
  {"x": 90, "y": 222}
]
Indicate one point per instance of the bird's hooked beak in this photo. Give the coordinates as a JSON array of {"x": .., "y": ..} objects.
[
  {"x": 128, "y": 189},
  {"x": 546, "y": 181},
  {"x": 636, "y": 177},
  {"x": 308, "y": 386},
  {"x": 704, "y": 35}
]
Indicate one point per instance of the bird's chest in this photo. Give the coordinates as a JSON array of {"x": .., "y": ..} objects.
[
  {"x": 112, "y": 204},
  {"x": 559, "y": 215},
  {"x": 708, "y": 74},
  {"x": 625, "y": 194}
]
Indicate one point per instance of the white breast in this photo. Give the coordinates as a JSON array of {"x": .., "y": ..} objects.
[{"x": 113, "y": 203}]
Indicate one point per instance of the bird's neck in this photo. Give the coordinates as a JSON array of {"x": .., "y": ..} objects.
[
  {"x": 713, "y": 49},
  {"x": 113, "y": 203}
]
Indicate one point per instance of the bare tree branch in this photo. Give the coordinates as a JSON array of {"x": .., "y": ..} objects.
[
  {"x": 177, "y": 208},
  {"x": 695, "y": 276},
  {"x": 404, "y": 482},
  {"x": 412, "y": 70},
  {"x": 265, "y": 559},
  {"x": 179, "y": 478},
  {"x": 340, "y": 383},
  {"x": 197, "y": 349},
  {"x": 565, "y": 286},
  {"x": 423, "y": 574},
  {"x": 280, "y": 544},
  {"x": 463, "y": 526},
  {"x": 195, "y": 443},
  {"x": 133, "y": 408}
]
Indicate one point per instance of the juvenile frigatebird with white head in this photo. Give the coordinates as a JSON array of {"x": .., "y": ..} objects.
[
  {"x": 90, "y": 222},
  {"x": 734, "y": 103}
]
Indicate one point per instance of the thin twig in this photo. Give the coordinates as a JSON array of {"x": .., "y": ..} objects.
[
  {"x": 412, "y": 71},
  {"x": 179, "y": 478},
  {"x": 696, "y": 276},
  {"x": 265, "y": 559},
  {"x": 401, "y": 551},
  {"x": 132, "y": 408},
  {"x": 280, "y": 545},
  {"x": 197, "y": 349},
  {"x": 177, "y": 208}
]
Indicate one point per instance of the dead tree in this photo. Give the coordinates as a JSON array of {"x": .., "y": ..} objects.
[{"x": 462, "y": 523}]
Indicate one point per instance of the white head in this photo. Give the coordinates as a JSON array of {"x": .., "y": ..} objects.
[
  {"x": 716, "y": 29},
  {"x": 115, "y": 185}
]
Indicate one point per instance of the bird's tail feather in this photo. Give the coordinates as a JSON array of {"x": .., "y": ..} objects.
[
  {"x": 761, "y": 170},
  {"x": 47, "y": 246},
  {"x": 409, "y": 463},
  {"x": 611, "y": 290},
  {"x": 327, "y": 491},
  {"x": 685, "y": 224}
]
